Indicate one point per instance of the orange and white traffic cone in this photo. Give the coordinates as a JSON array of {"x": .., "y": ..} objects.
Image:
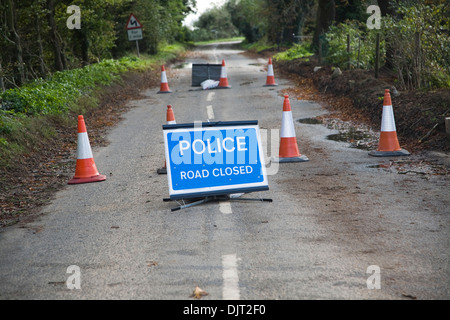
[
  {"x": 164, "y": 88},
  {"x": 223, "y": 81},
  {"x": 170, "y": 115},
  {"x": 170, "y": 120},
  {"x": 86, "y": 170},
  {"x": 289, "y": 151},
  {"x": 270, "y": 82},
  {"x": 388, "y": 145}
]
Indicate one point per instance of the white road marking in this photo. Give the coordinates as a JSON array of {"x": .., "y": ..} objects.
[
  {"x": 230, "y": 290},
  {"x": 210, "y": 112},
  {"x": 215, "y": 55},
  {"x": 210, "y": 96},
  {"x": 225, "y": 207}
]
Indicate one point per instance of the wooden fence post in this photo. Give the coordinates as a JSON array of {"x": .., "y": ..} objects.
[
  {"x": 320, "y": 51},
  {"x": 417, "y": 60},
  {"x": 348, "y": 52},
  {"x": 359, "y": 51},
  {"x": 377, "y": 55},
  {"x": 2, "y": 83}
]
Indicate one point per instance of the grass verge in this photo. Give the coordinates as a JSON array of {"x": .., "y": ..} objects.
[
  {"x": 297, "y": 51},
  {"x": 25, "y": 112},
  {"x": 38, "y": 144},
  {"x": 200, "y": 43}
]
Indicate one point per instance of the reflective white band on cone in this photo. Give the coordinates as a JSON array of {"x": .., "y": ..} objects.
[
  {"x": 163, "y": 77},
  {"x": 287, "y": 128},
  {"x": 387, "y": 120},
  {"x": 83, "y": 148},
  {"x": 270, "y": 70},
  {"x": 223, "y": 72}
]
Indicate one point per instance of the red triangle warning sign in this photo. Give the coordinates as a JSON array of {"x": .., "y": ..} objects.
[{"x": 133, "y": 23}]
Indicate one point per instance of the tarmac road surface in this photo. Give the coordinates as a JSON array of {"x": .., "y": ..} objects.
[{"x": 339, "y": 226}]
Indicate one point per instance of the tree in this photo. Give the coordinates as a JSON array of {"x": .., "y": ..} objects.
[
  {"x": 278, "y": 20},
  {"x": 248, "y": 17},
  {"x": 351, "y": 10},
  {"x": 216, "y": 23},
  {"x": 11, "y": 19},
  {"x": 56, "y": 43},
  {"x": 286, "y": 18},
  {"x": 35, "y": 40},
  {"x": 325, "y": 17},
  {"x": 386, "y": 7}
]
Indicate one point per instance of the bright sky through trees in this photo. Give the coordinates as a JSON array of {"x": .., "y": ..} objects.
[{"x": 202, "y": 6}]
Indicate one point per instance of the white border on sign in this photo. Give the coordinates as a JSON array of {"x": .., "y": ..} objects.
[
  {"x": 139, "y": 26},
  {"x": 206, "y": 190},
  {"x": 135, "y": 34}
]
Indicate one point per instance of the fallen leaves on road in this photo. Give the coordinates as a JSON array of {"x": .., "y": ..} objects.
[
  {"x": 357, "y": 95},
  {"x": 152, "y": 263},
  {"x": 422, "y": 167},
  {"x": 25, "y": 189},
  {"x": 198, "y": 293},
  {"x": 406, "y": 295}
]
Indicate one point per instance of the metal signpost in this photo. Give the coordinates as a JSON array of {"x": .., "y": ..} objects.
[
  {"x": 134, "y": 28},
  {"x": 209, "y": 161}
]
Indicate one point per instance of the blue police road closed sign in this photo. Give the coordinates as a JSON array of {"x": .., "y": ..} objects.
[{"x": 214, "y": 158}]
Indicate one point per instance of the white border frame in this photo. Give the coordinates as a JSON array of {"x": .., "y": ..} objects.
[{"x": 217, "y": 190}]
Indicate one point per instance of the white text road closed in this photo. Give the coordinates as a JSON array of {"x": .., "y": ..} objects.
[{"x": 214, "y": 159}]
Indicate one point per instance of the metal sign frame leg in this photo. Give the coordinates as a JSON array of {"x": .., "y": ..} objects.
[{"x": 217, "y": 199}]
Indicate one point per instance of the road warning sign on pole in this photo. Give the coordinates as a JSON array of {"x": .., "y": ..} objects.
[
  {"x": 134, "y": 29},
  {"x": 133, "y": 23},
  {"x": 135, "y": 34},
  {"x": 214, "y": 158}
]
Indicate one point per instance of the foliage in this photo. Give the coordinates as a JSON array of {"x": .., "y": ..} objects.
[
  {"x": 351, "y": 10},
  {"x": 414, "y": 41},
  {"x": 219, "y": 40},
  {"x": 362, "y": 44},
  {"x": 274, "y": 20},
  {"x": 420, "y": 41},
  {"x": 286, "y": 18},
  {"x": 297, "y": 51},
  {"x": 247, "y": 17},
  {"x": 48, "y": 71},
  {"x": 35, "y": 40},
  {"x": 28, "y": 114},
  {"x": 54, "y": 95},
  {"x": 215, "y": 23},
  {"x": 258, "y": 46},
  {"x": 97, "y": 30}
]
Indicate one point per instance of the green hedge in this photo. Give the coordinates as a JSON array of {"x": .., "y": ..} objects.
[
  {"x": 54, "y": 95},
  {"x": 26, "y": 112},
  {"x": 297, "y": 51}
]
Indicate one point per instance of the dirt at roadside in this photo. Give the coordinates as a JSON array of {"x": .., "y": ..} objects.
[
  {"x": 354, "y": 101},
  {"x": 352, "y": 96},
  {"x": 358, "y": 95},
  {"x": 38, "y": 175}
]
